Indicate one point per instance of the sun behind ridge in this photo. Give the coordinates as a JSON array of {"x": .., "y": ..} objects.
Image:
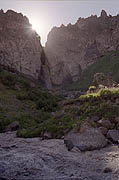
[{"x": 40, "y": 28}]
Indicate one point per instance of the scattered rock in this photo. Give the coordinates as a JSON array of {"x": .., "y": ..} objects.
[
  {"x": 105, "y": 123},
  {"x": 107, "y": 170},
  {"x": 102, "y": 81},
  {"x": 47, "y": 135},
  {"x": 113, "y": 135},
  {"x": 13, "y": 126},
  {"x": 72, "y": 94},
  {"x": 68, "y": 144},
  {"x": 93, "y": 119},
  {"x": 103, "y": 130},
  {"x": 59, "y": 114},
  {"x": 116, "y": 120},
  {"x": 88, "y": 140}
]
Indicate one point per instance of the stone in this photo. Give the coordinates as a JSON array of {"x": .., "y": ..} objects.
[
  {"x": 116, "y": 120},
  {"x": 103, "y": 130},
  {"x": 59, "y": 114},
  {"x": 94, "y": 119},
  {"x": 113, "y": 135},
  {"x": 117, "y": 101},
  {"x": 47, "y": 135},
  {"x": 101, "y": 81},
  {"x": 68, "y": 144},
  {"x": 88, "y": 140},
  {"x": 20, "y": 47},
  {"x": 105, "y": 123},
  {"x": 107, "y": 170},
  {"x": 13, "y": 126}
]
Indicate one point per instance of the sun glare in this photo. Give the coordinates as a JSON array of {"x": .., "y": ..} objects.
[
  {"x": 36, "y": 27},
  {"x": 40, "y": 28}
]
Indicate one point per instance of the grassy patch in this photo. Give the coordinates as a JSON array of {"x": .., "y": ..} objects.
[{"x": 102, "y": 104}]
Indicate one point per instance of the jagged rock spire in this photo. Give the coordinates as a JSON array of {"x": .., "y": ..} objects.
[{"x": 103, "y": 13}]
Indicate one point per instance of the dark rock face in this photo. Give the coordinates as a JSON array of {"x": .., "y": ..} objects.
[
  {"x": 20, "y": 48},
  {"x": 70, "y": 49}
]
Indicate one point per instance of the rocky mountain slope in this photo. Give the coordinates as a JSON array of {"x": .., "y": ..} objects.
[
  {"x": 68, "y": 52},
  {"x": 20, "y": 47},
  {"x": 71, "y": 49},
  {"x": 108, "y": 64}
]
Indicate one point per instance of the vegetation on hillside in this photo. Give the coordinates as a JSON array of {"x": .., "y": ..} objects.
[
  {"x": 104, "y": 104},
  {"x": 22, "y": 100},
  {"x": 40, "y": 112}
]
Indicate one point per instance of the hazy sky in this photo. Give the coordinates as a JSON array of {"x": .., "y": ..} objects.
[{"x": 46, "y": 14}]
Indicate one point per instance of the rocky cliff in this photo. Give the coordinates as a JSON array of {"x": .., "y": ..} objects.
[
  {"x": 70, "y": 49},
  {"x": 20, "y": 47}
]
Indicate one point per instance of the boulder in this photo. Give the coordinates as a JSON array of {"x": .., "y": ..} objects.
[
  {"x": 113, "y": 135},
  {"x": 93, "y": 119},
  {"x": 105, "y": 123},
  {"x": 100, "y": 80},
  {"x": 13, "y": 126},
  {"x": 107, "y": 170},
  {"x": 59, "y": 114},
  {"x": 88, "y": 140},
  {"x": 103, "y": 130}
]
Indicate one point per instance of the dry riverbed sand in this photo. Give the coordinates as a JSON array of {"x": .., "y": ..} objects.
[{"x": 36, "y": 159}]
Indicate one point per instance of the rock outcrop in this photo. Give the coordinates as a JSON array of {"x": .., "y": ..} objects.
[
  {"x": 101, "y": 80},
  {"x": 70, "y": 49},
  {"x": 88, "y": 140},
  {"x": 20, "y": 47}
]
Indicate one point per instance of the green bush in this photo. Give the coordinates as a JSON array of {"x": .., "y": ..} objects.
[{"x": 4, "y": 121}]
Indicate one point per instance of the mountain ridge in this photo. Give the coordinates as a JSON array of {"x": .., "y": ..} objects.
[
  {"x": 68, "y": 52},
  {"x": 71, "y": 49}
]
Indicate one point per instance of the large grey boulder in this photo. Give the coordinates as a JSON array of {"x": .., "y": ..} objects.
[{"x": 89, "y": 139}]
